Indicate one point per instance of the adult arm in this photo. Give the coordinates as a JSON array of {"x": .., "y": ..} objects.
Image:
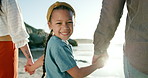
[
  {"x": 26, "y": 51},
  {"x": 36, "y": 65},
  {"x": 17, "y": 29},
  {"x": 111, "y": 13}
]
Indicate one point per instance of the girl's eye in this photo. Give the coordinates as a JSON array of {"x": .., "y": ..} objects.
[
  {"x": 58, "y": 23},
  {"x": 70, "y": 22}
]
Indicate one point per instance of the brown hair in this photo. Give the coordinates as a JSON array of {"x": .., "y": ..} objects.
[{"x": 0, "y": 5}]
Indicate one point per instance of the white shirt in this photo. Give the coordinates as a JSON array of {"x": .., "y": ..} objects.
[{"x": 11, "y": 23}]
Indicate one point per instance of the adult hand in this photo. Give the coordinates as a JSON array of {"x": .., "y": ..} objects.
[
  {"x": 29, "y": 63},
  {"x": 103, "y": 57},
  {"x": 29, "y": 69}
]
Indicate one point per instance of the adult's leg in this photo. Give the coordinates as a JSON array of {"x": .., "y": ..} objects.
[
  {"x": 8, "y": 60},
  {"x": 131, "y": 72}
]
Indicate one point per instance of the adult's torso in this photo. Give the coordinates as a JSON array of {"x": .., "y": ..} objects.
[{"x": 136, "y": 34}]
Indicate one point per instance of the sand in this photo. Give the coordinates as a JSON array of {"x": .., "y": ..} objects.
[{"x": 23, "y": 74}]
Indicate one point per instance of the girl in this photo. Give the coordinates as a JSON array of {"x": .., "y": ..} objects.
[
  {"x": 59, "y": 61},
  {"x": 12, "y": 36}
]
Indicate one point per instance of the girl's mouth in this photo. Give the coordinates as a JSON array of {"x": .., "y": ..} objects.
[{"x": 65, "y": 33}]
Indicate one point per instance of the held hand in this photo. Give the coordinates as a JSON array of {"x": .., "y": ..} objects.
[
  {"x": 29, "y": 63},
  {"x": 100, "y": 59},
  {"x": 99, "y": 63},
  {"x": 29, "y": 69}
]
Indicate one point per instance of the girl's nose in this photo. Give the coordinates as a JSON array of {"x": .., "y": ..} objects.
[{"x": 65, "y": 26}]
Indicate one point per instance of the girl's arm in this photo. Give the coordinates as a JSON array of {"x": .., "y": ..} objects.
[
  {"x": 36, "y": 65},
  {"x": 77, "y": 72}
]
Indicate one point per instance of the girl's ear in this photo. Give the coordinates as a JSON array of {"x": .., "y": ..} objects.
[{"x": 49, "y": 25}]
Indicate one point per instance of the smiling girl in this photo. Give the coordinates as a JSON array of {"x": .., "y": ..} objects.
[{"x": 59, "y": 61}]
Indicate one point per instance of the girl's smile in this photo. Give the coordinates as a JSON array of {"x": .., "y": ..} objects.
[{"x": 62, "y": 23}]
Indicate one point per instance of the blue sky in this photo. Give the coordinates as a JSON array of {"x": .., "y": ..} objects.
[{"x": 87, "y": 15}]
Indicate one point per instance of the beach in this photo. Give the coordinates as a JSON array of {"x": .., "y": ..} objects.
[{"x": 83, "y": 55}]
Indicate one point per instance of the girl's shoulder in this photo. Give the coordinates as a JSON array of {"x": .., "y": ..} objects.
[{"x": 56, "y": 41}]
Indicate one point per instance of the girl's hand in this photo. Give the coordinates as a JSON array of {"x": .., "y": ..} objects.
[
  {"x": 29, "y": 69},
  {"x": 100, "y": 62},
  {"x": 100, "y": 59},
  {"x": 29, "y": 63}
]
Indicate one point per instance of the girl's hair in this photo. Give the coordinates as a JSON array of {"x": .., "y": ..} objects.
[
  {"x": 59, "y": 5},
  {"x": 55, "y": 6},
  {"x": 44, "y": 71},
  {"x": 0, "y": 6}
]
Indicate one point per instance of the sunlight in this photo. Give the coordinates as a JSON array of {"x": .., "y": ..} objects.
[
  {"x": 115, "y": 61},
  {"x": 114, "y": 65}
]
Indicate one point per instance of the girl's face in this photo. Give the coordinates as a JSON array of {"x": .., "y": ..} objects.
[{"x": 62, "y": 23}]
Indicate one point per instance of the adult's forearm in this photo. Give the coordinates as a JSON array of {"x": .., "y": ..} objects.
[{"x": 26, "y": 51}]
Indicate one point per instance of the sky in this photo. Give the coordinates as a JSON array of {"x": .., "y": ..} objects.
[{"x": 87, "y": 16}]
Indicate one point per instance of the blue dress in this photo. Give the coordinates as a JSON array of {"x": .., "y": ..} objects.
[{"x": 59, "y": 58}]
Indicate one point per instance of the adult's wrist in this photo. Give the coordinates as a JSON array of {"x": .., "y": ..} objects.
[{"x": 99, "y": 52}]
